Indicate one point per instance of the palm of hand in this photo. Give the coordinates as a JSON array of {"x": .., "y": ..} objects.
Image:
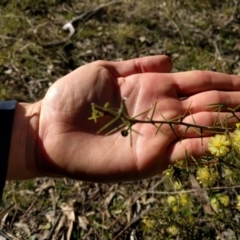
[{"x": 69, "y": 141}]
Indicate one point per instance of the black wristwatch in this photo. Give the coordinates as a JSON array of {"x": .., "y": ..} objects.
[{"x": 7, "y": 109}]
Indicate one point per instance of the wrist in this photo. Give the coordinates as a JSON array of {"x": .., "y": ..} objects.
[{"x": 23, "y": 150}]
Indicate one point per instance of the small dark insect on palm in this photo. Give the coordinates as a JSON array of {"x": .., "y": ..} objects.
[{"x": 124, "y": 133}]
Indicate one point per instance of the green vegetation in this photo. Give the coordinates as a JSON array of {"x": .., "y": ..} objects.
[
  {"x": 35, "y": 51},
  {"x": 211, "y": 200}
]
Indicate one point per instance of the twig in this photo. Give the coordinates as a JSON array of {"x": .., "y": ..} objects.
[
  {"x": 236, "y": 3},
  {"x": 134, "y": 220},
  {"x": 165, "y": 193},
  {"x": 54, "y": 227},
  {"x": 136, "y": 198},
  {"x": 172, "y": 122},
  {"x": 82, "y": 17},
  {"x": 192, "y": 190},
  {"x": 3, "y": 212}
]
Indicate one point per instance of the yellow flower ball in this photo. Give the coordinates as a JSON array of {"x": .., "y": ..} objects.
[
  {"x": 214, "y": 204},
  {"x": 169, "y": 172},
  {"x": 224, "y": 200},
  {"x": 236, "y": 139},
  {"x": 219, "y": 145},
  {"x": 171, "y": 200},
  {"x": 148, "y": 223},
  {"x": 207, "y": 176},
  {"x": 184, "y": 199},
  {"x": 238, "y": 206},
  {"x": 177, "y": 186},
  {"x": 175, "y": 208},
  {"x": 173, "y": 230}
]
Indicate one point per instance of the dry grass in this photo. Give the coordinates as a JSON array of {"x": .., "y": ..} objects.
[{"x": 35, "y": 51}]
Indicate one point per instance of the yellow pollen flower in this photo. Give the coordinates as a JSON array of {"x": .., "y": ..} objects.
[
  {"x": 171, "y": 200},
  {"x": 169, "y": 172},
  {"x": 238, "y": 203},
  {"x": 207, "y": 176},
  {"x": 184, "y": 199},
  {"x": 173, "y": 230},
  {"x": 238, "y": 206},
  {"x": 214, "y": 204},
  {"x": 219, "y": 145},
  {"x": 236, "y": 139},
  {"x": 224, "y": 200},
  {"x": 175, "y": 208},
  {"x": 148, "y": 223},
  {"x": 177, "y": 186}
]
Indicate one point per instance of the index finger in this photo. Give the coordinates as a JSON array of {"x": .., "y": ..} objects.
[{"x": 157, "y": 64}]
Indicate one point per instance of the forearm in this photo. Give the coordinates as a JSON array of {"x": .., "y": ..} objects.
[{"x": 24, "y": 150}]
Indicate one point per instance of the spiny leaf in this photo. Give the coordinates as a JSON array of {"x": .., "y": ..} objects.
[
  {"x": 116, "y": 129},
  {"x": 217, "y": 105},
  {"x": 142, "y": 113},
  {"x": 159, "y": 129},
  {"x": 153, "y": 110},
  {"x": 95, "y": 114},
  {"x": 193, "y": 118},
  {"x": 108, "y": 124}
]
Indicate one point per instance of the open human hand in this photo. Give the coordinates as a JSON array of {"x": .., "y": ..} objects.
[{"x": 64, "y": 142}]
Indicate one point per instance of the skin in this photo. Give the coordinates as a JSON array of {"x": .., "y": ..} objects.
[{"x": 53, "y": 137}]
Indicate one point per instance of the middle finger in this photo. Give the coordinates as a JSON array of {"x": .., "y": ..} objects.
[{"x": 211, "y": 101}]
